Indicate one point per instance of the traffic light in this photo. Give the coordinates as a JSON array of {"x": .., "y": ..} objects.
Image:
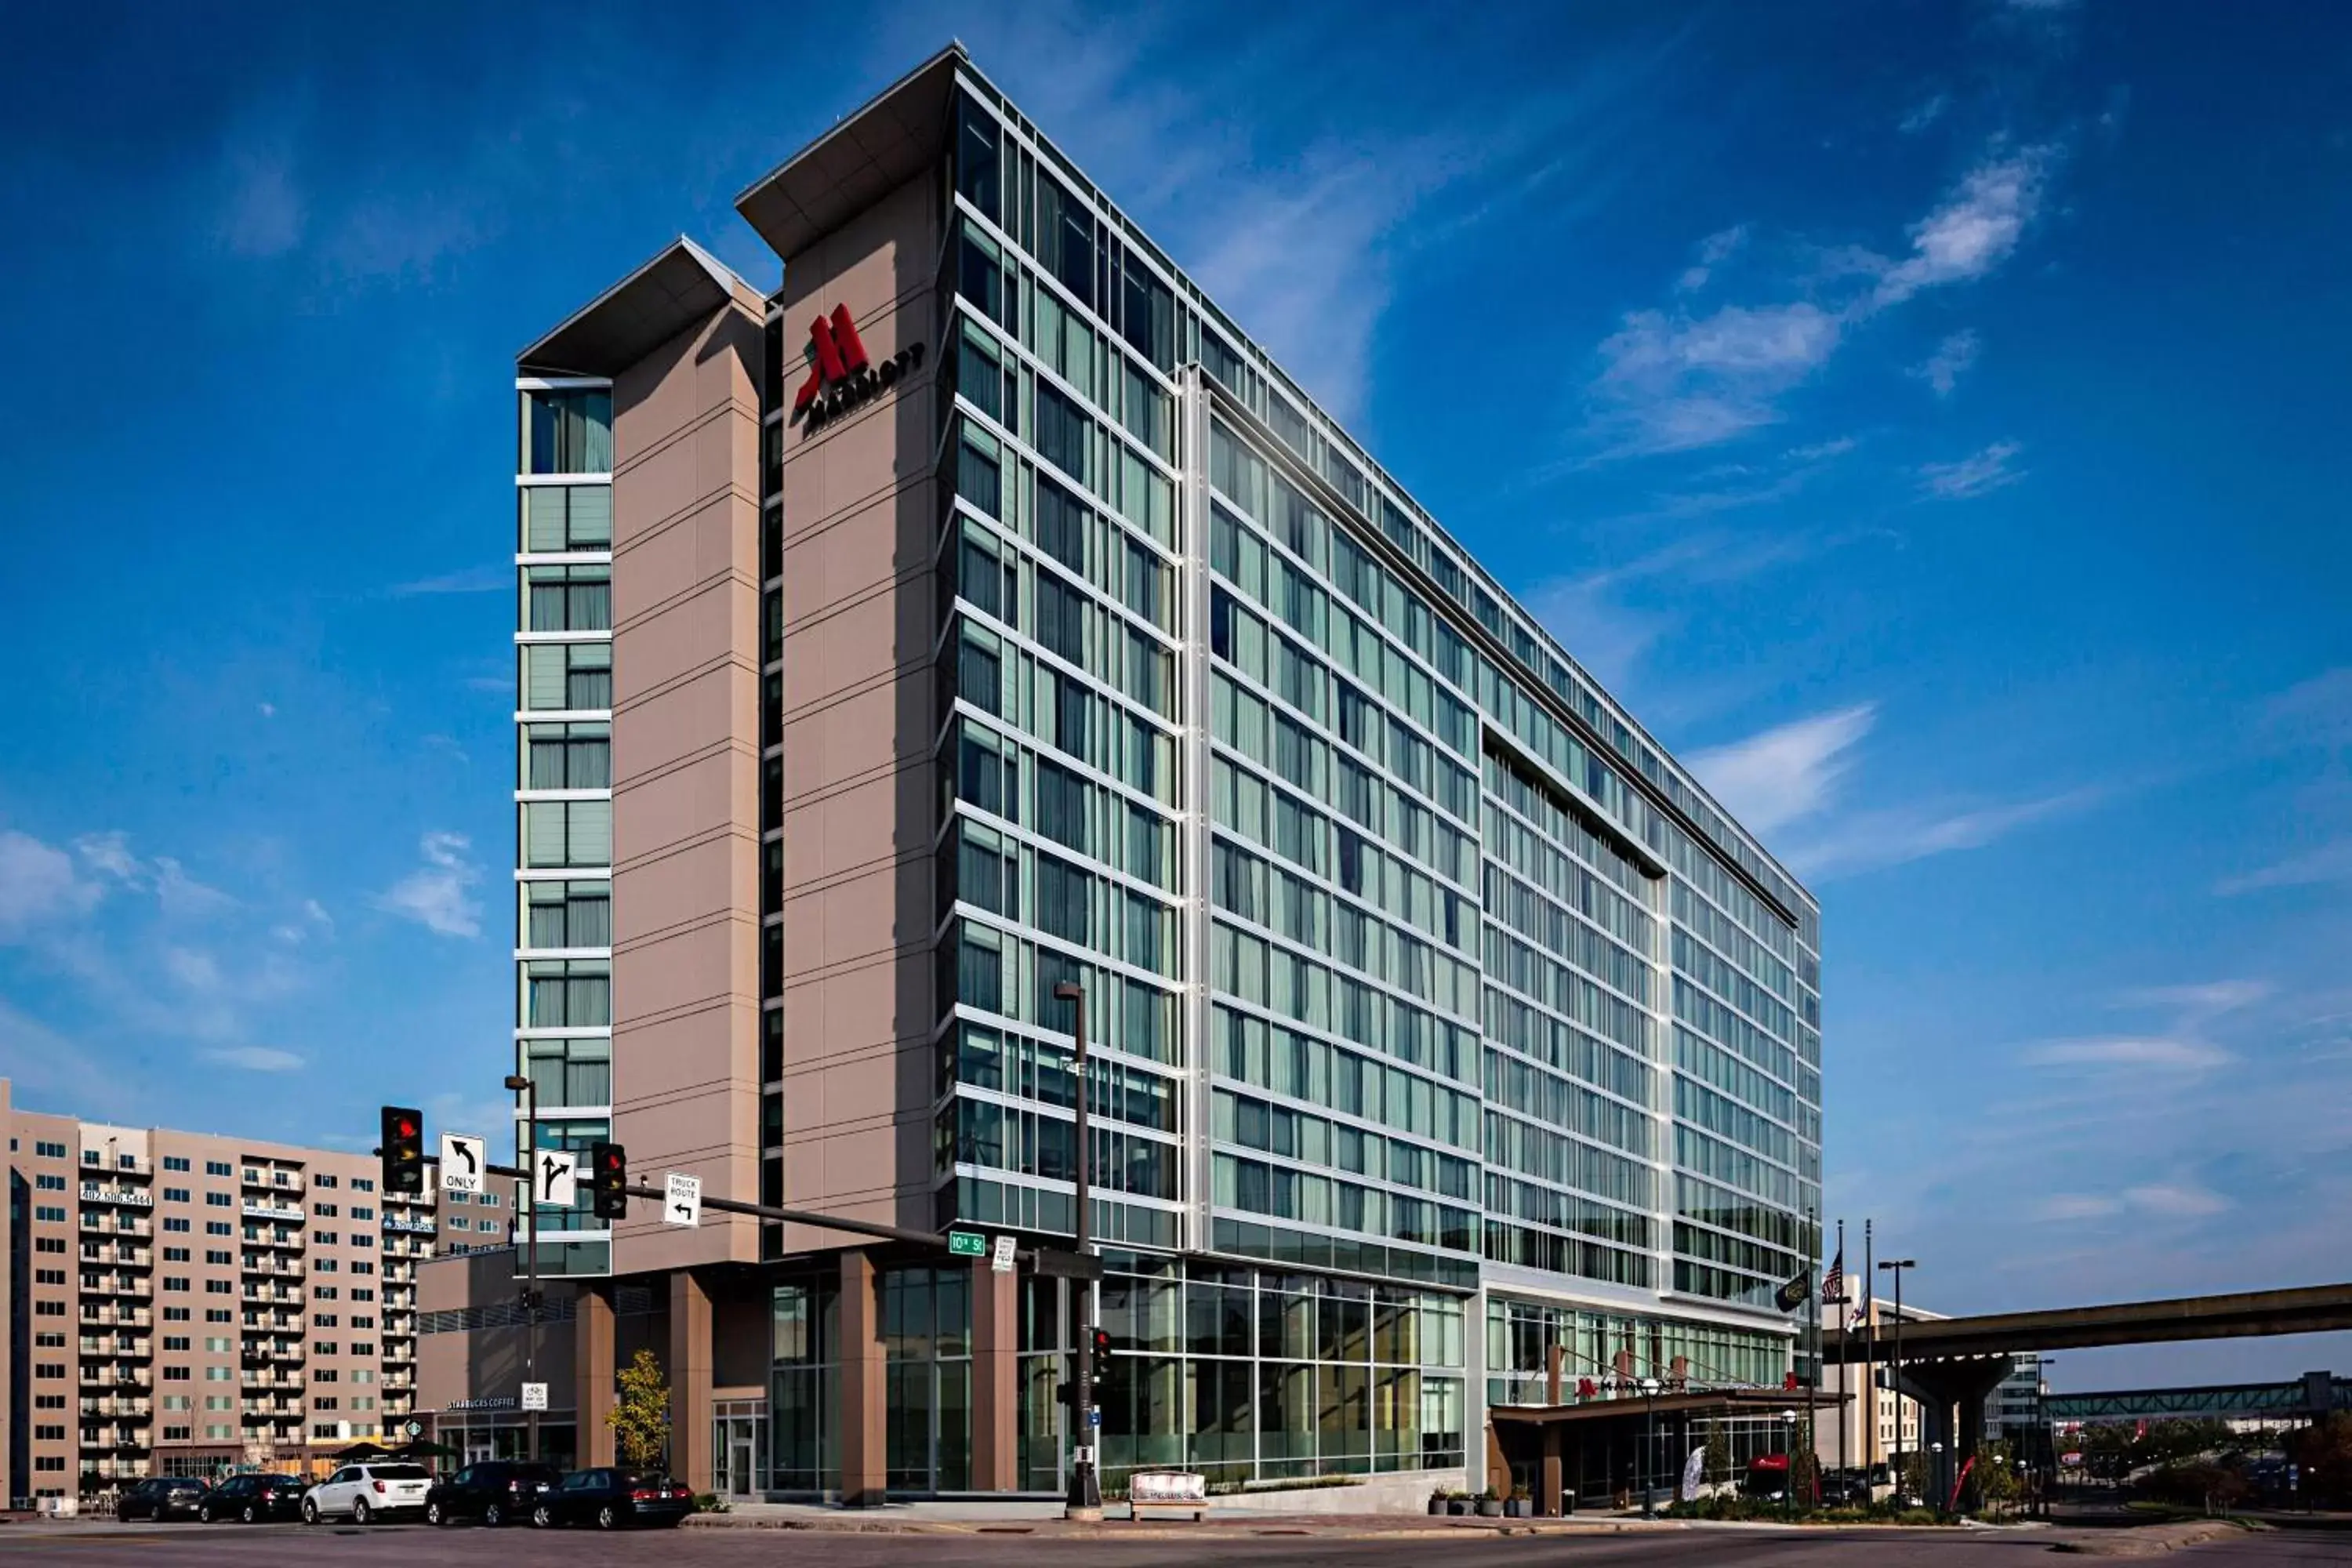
[
  {"x": 608, "y": 1180},
  {"x": 1102, "y": 1345},
  {"x": 403, "y": 1149}
]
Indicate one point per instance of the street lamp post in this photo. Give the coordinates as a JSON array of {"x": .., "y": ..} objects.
[
  {"x": 1649, "y": 1446},
  {"x": 1935, "y": 1474},
  {"x": 1896, "y": 1266},
  {"x": 1083, "y": 1500},
  {"x": 524, "y": 1086},
  {"x": 1788, "y": 1459}
]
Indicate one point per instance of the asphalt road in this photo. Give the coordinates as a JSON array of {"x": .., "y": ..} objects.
[{"x": 235, "y": 1546}]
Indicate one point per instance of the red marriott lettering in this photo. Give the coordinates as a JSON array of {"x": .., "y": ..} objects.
[{"x": 840, "y": 376}]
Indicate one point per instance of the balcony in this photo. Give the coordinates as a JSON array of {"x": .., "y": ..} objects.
[
  {"x": 119, "y": 1255},
  {"x": 116, "y": 1222},
  {"x": 278, "y": 1380},
  {"x": 112, "y": 1317},
  {"x": 116, "y": 1285},
  {"x": 97, "y": 1377},
  {"x": 273, "y": 1267},
  {"x": 273, "y": 1293},
  {"x": 287, "y": 1182},
  {"x": 396, "y": 1384},
  {"x": 121, "y": 1165},
  {"x": 120, "y": 1348}
]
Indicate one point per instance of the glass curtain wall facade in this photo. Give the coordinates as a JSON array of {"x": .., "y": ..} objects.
[
  {"x": 1408, "y": 955},
  {"x": 563, "y": 786}
]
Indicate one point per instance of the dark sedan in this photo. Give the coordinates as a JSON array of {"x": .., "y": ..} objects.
[
  {"x": 613, "y": 1499},
  {"x": 161, "y": 1498},
  {"x": 253, "y": 1498},
  {"x": 494, "y": 1492}
]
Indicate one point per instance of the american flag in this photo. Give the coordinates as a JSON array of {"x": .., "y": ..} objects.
[{"x": 1833, "y": 1282}]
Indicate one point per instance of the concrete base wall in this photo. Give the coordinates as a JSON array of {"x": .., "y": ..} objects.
[{"x": 1405, "y": 1491}]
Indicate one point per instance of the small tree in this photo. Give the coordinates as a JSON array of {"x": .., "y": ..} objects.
[{"x": 640, "y": 1415}]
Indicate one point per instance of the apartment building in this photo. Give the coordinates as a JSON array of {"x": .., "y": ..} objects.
[
  {"x": 186, "y": 1303},
  {"x": 980, "y": 615}
]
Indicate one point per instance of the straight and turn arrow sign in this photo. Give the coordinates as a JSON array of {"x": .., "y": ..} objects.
[{"x": 556, "y": 1174}]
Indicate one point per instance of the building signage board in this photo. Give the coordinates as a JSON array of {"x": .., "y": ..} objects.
[
  {"x": 840, "y": 375},
  {"x": 534, "y": 1396},
  {"x": 463, "y": 1160},
  {"x": 967, "y": 1243},
  {"x": 1001, "y": 1261}
]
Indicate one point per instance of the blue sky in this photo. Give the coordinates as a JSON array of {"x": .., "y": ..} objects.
[{"x": 1921, "y": 415}]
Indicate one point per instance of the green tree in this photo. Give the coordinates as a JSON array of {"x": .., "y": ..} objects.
[
  {"x": 640, "y": 1415},
  {"x": 1994, "y": 1479},
  {"x": 1718, "y": 1454}
]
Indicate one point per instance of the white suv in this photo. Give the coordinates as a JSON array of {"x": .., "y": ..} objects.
[{"x": 368, "y": 1492}]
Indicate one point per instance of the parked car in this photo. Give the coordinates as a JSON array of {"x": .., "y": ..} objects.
[
  {"x": 368, "y": 1492},
  {"x": 159, "y": 1497},
  {"x": 493, "y": 1491},
  {"x": 612, "y": 1499},
  {"x": 253, "y": 1498}
]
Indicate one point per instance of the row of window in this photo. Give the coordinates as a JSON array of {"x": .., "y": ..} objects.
[
  {"x": 1255, "y": 1186},
  {"x": 995, "y": 872},
  {"x": 995, "y": 774},
  {"x": 1311, "y": 1140},
  {"x": 1005, "y": 681},
  {"x": 1251, "y": 1050},
  {"x": 1063, "y": 618}
]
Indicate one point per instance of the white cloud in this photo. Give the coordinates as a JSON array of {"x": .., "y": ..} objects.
[
  {"x": 1785, "y": 774},
  {"x": 1975, "y": 229},
  {"x": 38, "y": 884},
  {"x": 109, "y": 853},
  {"x": 255, "y": 1058},
  {"x": 1978, "y": 474},
  {"x": 2164, "y": 1200},
  {"x": 436, "y": 895},
  {"x": 264, "y": 210},
  {"x": 471, "y": 580},
  {"x": 193, "y": 968},
  {"x": 1673, "y": 383},
  {"x": 1925, "y": 114},
  {"x": 1713, "y": 251},
  {"x": 1953, "y": 358},
  {"x": 2328, "y": 863},
  {"x": 1873, "y": 840},
  {"x": 2167, "y": 1053}
]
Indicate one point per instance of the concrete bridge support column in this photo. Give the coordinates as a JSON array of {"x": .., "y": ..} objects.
[{"x": 1951, "y": 1395}]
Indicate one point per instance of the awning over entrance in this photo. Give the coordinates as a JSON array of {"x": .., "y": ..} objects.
[
  {"x": 1618, "y": 1447},
  {"x": 1704, "y": 1405}
]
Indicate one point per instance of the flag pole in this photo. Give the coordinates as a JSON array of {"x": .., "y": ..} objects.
[
  {"x": 1842, "y": 1466},
  {"x": 1870, "y": 1347}
]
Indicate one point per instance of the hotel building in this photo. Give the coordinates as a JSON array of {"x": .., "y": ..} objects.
[
  {"x": 979, "y": 612},
  {"x": 186, "y": 1303}
]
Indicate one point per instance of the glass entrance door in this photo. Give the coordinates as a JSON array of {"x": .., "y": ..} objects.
[{"x": 739, "y": 1448}]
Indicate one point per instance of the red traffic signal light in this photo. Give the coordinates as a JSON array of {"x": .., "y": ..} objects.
[
  {"x": 402, "y": 1151},
  {"x": 608, "y": 1180},
  {"x": 1102, "y": 1342}
]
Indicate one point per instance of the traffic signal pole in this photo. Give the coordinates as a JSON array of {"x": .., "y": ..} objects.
[
  {"x": 1084, "y": 1499},
  {"x": 528, "y": 1191}
]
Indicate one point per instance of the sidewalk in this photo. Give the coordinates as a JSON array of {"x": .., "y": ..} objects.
[{"x": 1042, "y": 1518}]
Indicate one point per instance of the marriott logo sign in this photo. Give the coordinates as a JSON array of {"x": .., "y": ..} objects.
[{"x": 840, "y": 375}]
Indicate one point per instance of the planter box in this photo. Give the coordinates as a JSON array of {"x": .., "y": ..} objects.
[
  {"x": 1491, "y": 1508},
  {"x": 1457, "y": 1507},
  {"x": 1518, "y": 1507}
]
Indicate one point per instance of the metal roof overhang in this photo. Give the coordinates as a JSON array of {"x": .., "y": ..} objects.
[
  {"x": 2305, "y": 1310},
  {"x": 860, "y": 160},
  {"x": 682, "y": 285},
  {"x": 1714, "y": 1402}
]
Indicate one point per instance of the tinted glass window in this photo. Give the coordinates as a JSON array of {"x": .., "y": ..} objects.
[{"x": 400, "y": 1472}]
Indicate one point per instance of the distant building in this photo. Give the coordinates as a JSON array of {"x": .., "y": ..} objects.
[
  {"x": 1878, "y": 1421},
  {"x": 186, "y": 1303}
]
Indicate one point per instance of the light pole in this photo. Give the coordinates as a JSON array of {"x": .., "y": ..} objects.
[
  {"x": 1896, "y": 1266},
  {"x": 1649, "y": 1446},
  {"x": 1084, "y": 1499},
  {"x": 524, "y": 1086},
  {"x": 1789, "y": 1460},
  {"x": 1935, "y": 1475}
]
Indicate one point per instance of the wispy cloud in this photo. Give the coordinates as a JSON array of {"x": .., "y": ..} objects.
[
  {"x": 437, "y": 895},
  {"x": 1669, "y": 381},
  {"x": 2137, "y": 1052},
  {"x": 1925, "y": 113},
  {"x": 1672, "y": 382},
  {"x": 1975, "y": 228},
  {"x": 1953, "y": 358},
  {"x": 1977, "y": 473},
  {"x": 484, "y": 579},
  {"x": 1713, "y": 251},
  {"x": 1785, "y": 774},
  {"x": 1874, "y": 840},
  {"x": 2162, "y": 1200},
  {"x": 2313, "y": 868},
  {"x": 39, "y": 884},
  {"x": 254, "y": 1058}
]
